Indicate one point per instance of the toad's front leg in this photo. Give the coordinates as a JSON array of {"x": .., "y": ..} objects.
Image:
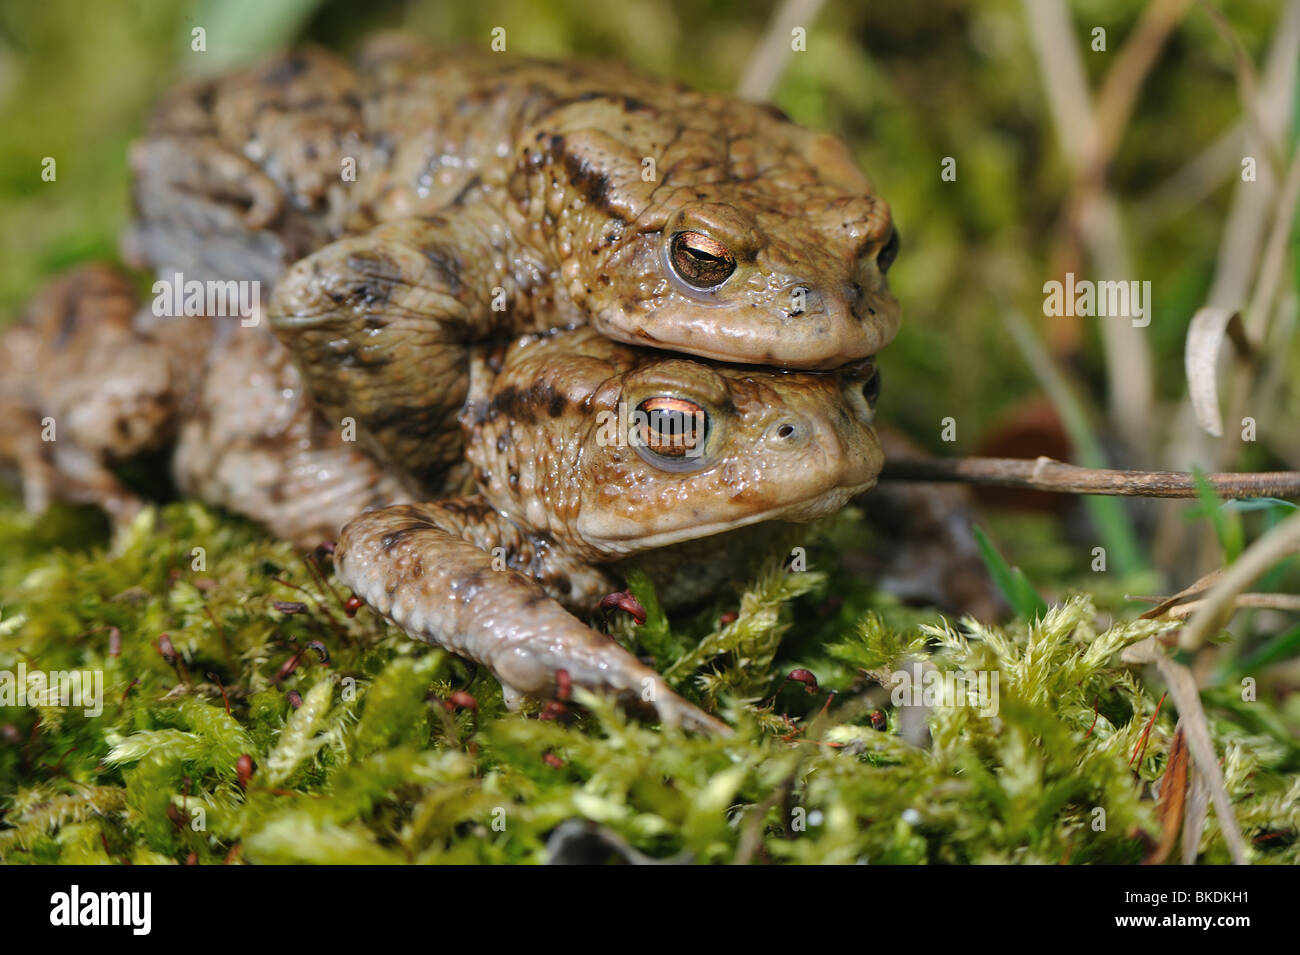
[
  {"x": 429, "y": 567},
  {"x": 381, "y": 325}
]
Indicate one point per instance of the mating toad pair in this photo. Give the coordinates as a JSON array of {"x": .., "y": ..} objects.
[{"x": 478, "y": 263}]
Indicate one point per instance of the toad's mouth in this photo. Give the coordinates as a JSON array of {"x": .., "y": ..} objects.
[
  {"x": 798, "y": 512},
  {"x": 736, "y": 334}
]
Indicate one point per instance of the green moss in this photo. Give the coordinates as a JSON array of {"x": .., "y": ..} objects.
[{"x": 356, "y": 758}]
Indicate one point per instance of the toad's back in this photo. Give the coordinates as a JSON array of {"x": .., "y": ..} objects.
[{"x": 423, "y": 123}]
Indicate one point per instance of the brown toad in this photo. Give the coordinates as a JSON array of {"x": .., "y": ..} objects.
[{"x": 590, "y": 458}]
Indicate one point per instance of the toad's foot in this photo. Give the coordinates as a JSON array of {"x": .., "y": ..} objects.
[
  {"x": 431, "y": 571},
  {"x": 81, "y": 389}
]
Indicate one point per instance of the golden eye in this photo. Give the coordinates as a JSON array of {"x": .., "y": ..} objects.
[
  {"x": 670, "y": 427},
  {"x": 701, "y": 261}
]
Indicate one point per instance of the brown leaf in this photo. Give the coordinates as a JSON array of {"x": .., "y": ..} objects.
[
  {"x": 1173, "y": 795},
  {"x": 1199, "y": 587}
]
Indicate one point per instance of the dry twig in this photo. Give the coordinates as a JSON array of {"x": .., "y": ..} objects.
[
  {"x": 1256, "y": 601},
  {"x": 1187, "y": 698},
  {"x": 1046, "y": 474},
  {"x": 1256, "y": 560}
]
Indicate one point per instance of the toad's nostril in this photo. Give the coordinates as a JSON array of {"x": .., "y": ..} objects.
[
  {"x": 785, "y": 431},
  {"x": 871, "y": 388}
]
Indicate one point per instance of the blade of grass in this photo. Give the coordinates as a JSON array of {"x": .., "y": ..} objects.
[
  {"x": 1226, "y": 523},
  {"x": 1015, "y": 586},
  {"x": 1281, "y": 647},
  {"x": 1275, "y": 505}
]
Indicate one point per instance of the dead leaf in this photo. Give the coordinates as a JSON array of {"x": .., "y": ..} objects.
[
  {"x": 1200, "y": 586},
  {"x": 1173, "y": 796},
  {"x": 1210, "y": 325}
]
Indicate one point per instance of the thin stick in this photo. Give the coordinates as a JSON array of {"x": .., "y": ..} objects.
[
  {"x": 1119, "y": 90},
  {"x": 1279, "y": 543},
  {"x": 1045, "y": 474},
  {"x": 768, "y": 61},
  {"x": 1188, "y": 700},
  {"x": 1247, "y": 85},
  {"x": 1092, "y": 212},
  {"x": 1289, "y": 602}
]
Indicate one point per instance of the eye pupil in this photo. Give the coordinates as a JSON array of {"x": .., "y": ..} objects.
[
  {"x": 671, "y": 427},
  {"x": 668, "y": 433},
  {"x": 701, "y": 261}
]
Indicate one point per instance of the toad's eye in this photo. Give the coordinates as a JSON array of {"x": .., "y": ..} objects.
[
  {"x": 700, "y": 261},
  {"x": 671, "y": 428}
]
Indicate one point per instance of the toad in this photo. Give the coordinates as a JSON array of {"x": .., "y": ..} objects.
[{"x": 591, "y": 457}]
